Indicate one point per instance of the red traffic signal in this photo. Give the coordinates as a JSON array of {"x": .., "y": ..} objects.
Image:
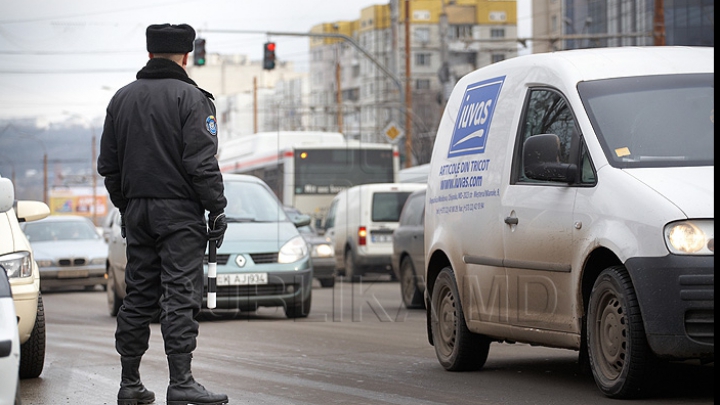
[{"x": 269, "y": 56}]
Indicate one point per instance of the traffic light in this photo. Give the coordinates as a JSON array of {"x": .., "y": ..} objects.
[
  {"x": 269, "y": 56},
  {"x": 199, "y": 52}
]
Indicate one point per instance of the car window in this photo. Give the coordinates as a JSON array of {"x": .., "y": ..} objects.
[
  {"x": 248, "y": 201},
  {"x": 60, "y": 230},
  {"x": 386, "y": 206},
  {"x": 330, "y": 220},
  {"x": 412, "y": 213}
]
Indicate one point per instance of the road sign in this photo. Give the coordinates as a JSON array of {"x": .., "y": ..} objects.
[{"x": 392, "y": 132}]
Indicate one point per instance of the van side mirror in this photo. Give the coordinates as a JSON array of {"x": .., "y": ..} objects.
[{"x": 541, "y": 160}]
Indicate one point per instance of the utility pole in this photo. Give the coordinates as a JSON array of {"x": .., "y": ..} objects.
[
  {"x": 408, "y": 89},
  {"x": 659, "y": 23},
  {"x": 338, "y": 95},
  {"x": 255, "y": 106}
]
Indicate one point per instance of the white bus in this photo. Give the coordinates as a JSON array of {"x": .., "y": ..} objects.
[{"x": 307, "y": 169}]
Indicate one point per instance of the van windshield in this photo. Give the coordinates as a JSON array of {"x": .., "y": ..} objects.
[
  {"x": 386, "y": 207},
  {"x": 654, "y": 121}
]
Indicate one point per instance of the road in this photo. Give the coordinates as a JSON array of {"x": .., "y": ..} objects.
[{"x": 358, "y": 346}]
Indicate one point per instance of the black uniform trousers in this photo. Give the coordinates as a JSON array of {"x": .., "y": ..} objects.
[{"x": 166, "y": 241}]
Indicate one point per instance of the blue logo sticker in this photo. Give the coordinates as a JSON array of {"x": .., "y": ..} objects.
[
  {"x": 211, "y": 125},
  {"x": 474, "y": 117}
]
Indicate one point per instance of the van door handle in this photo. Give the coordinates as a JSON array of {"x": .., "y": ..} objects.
[{"x": 511, "y": 220}]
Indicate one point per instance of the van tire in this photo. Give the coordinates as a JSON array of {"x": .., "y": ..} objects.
[
  {"x": 32, "y": 352},
  {"x": 618, "y": 351},
  {"x": 351, "y": 270},
  {"x": 456, "y": 348},
  {"x": 409, "y": 291}
]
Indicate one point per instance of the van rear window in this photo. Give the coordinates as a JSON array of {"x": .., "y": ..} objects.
[{"x": 386, "y": 207}]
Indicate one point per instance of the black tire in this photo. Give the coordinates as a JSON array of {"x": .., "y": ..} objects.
[
  {"x": 327, "y": 282},
  {"x": 301, "y": 310},
  {"x": 618, "y": 352},
  {"x": 411, "y": 296},
  {"x": 32, "y": 352},
  {"x": 114, "y": 300},
  {"x": 351, "y": 271},
  {"x": 456, "y": 348}
]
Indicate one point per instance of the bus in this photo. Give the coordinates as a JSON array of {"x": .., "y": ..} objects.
[{"x": 306, "y": 169}]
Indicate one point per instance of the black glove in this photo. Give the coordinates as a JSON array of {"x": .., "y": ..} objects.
[
  {"x": 122, "y": 225},
  {"x": 216, "y": 228}
]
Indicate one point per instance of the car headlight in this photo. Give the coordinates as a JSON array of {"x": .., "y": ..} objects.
[
  {"x": 322, "y": 250},
  {"x": 294, "y": 250},
  {"x": 17, "y": 264},
  {"x": 44, "y": 263},
  {"x": 98, "y": 261},
  {"x": 691, "y": 237}
]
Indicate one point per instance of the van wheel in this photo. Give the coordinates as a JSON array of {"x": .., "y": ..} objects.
[
  {"x": 617, "y": 347},
  {"x": 456, "y": 348},
  {"x": 32, "y": 352},
  {"x": 350, "y": 267},
  {"x": 411, "y": 295},
  {"x": 114, "y": 301}
]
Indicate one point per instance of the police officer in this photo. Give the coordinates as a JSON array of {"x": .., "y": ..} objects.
[{"x": 157, "y": 154}]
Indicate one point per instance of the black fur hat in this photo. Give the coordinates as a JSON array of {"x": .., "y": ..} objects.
[{"x": 167, "y": 38}]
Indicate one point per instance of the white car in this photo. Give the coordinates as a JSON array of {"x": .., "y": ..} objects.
[
  {"x": 9, "y": 344},
  {"x": 16, "y": 257}
]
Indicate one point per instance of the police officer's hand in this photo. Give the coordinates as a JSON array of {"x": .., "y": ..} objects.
[
  {"x": 122, "y": 225},
  {"x": 216, "y": 228}
]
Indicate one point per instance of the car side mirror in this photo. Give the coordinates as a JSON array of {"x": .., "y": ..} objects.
[
  {"x": 541, "y": 160},
  {"x": 302, "y": 220},
  {"x": 7, "y": 194},
  {"x": 28, "y": 211}
]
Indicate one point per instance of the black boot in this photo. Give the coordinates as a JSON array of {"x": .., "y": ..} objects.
[
  {"x": 183, "y": 390},
  {"x": 132, "y": 391}
]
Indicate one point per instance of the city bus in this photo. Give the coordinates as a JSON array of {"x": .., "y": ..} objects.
[{"x": 306, "y": 169}]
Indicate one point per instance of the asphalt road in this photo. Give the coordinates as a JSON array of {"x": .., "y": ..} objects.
[{"x": 358, "y": 346}]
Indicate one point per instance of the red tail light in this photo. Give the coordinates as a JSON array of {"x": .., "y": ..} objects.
[{"x": 362, "y": 236}]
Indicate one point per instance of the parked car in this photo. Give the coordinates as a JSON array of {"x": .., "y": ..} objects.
[
  {"x": 68, "y": 250},
  {"x": 116, "y": 261},
  {"x": 321, "y": 251},
  {"x": 16, "y": 257},
  {"x": 408, "y": 259},
  {"x": 9, "y": 344},
  {"x": 360, "y": 222},
  {"x": 263, "y": 261}
]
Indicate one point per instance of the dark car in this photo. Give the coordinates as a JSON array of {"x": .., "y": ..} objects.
[
  {"x": 408, "y": 258},
  {"x": 321, "y": 251}
]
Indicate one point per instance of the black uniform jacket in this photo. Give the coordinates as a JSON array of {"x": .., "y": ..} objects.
[{"x": 159, "y": 140}]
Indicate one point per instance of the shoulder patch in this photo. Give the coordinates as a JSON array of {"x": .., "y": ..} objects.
[{"x": 211, "y": 125}]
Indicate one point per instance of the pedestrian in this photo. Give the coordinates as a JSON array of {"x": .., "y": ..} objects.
[{"x": 157, "y": 154}]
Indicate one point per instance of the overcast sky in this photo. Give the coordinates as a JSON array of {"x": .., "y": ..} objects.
[{"x": 64, "y": 58}]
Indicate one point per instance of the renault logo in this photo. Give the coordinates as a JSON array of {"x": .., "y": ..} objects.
[{"x": 240, "y": 260}]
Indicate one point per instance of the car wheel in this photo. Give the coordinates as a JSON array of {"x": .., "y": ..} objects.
[
  {"x": 327, "y": 282},
  {"x": 350, "y": 267},
  {"x": 617, "y": 348},
  {"x": 411, "y": 295},
  {"x": 301, "y": 310},
  {"x": 32, "y": 352},
  {"x": 456, "y": 348},
  {"x": 114, "y": 301}
]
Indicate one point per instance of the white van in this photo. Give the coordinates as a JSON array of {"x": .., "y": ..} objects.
[
  {"x": 570, "y": 204},
  {"x": 360, "y": 223}
]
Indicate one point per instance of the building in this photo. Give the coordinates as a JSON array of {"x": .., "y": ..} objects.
[
  {"x": 573, "y": 24},
  {"x": 358, "y": 87}
]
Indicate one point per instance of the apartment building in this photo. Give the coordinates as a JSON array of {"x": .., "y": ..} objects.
[
  {"x": 573, "y": 24},
  {"x": 358, "y": 87}
]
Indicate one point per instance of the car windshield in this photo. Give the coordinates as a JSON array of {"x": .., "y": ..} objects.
[
  {"x": 654, "y": 121},
  {"x": 60, "y": 230},
  {"x": 251, "y": 202}
]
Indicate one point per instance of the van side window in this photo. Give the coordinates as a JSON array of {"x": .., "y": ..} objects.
[
  {"x": 330, "y": 219},
  {"x": 547, "y": 112},
  {"x": 413, "y": 213}
]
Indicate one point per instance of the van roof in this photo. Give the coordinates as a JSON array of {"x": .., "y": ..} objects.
[{"x": 603, "y": 63}]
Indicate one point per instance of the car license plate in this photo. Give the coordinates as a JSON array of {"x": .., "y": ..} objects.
[
  {"x": 242, "y": 279},
  {"x": 72, "y": 274},
  {"x": 381, "y": 238}
]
